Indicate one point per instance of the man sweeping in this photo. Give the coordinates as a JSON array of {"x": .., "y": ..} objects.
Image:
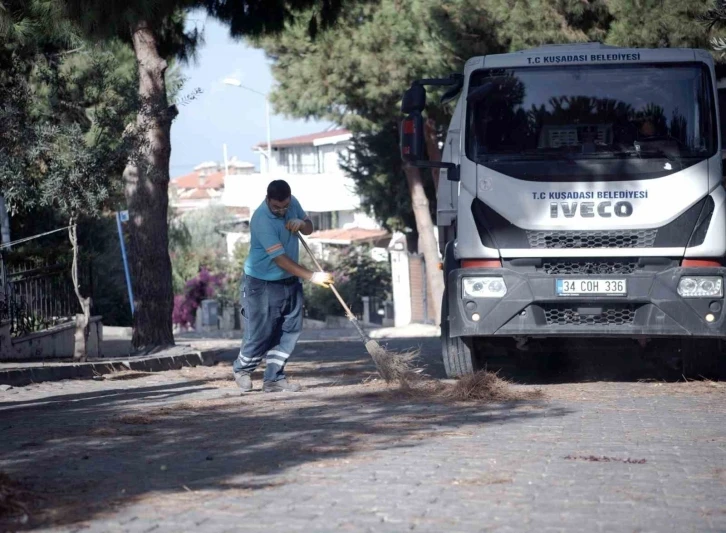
[{"x": 272, "y": 296}]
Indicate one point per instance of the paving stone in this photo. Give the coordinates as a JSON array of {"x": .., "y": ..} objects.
[{"x": 130, "y": 454}]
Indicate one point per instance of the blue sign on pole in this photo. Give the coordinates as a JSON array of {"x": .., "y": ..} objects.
[{"x": 123, "y": 216}]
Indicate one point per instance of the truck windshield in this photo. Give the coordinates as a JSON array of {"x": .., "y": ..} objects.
[{"x": 614, "y": 121}]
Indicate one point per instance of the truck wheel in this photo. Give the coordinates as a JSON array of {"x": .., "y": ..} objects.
[{"x": 456, "y": 352}]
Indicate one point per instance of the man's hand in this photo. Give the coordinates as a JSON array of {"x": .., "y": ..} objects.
[
  {"x": 294, "y": 225},
  {"x": 324, "y": 279}
]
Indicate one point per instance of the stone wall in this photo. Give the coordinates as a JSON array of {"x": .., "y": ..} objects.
[{"x": 53, "y": 343}]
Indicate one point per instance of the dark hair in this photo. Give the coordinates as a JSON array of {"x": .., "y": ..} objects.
[{"x": 278, "y": 190}]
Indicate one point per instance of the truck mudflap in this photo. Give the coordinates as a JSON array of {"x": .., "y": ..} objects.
[{"x": 533, "y": 306}]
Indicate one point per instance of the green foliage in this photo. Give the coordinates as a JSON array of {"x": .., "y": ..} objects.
[
  {"x": 356, "y": 274},
  {"x": 658, "y": 23},
  {"x": 372, "y": 163},
  {"x": 99, "y": 243},
  {"x": 66, "y": 115},
  {"x": 235, "y": 270},
  {"x": 62, "y": 143},
  {"x": 65, "y": 106},
  {"x": 103, "y": 20},
  {"x": 356, "y": 75},
  {"x": 239, "y": 256},
  {"x": 196, "y": 242}
]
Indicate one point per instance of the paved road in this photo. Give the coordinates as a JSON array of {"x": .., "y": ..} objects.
[{"x": 183, "y": 451}]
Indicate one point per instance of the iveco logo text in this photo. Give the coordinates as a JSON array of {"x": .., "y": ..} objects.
[{"x": 590, "y": 209}]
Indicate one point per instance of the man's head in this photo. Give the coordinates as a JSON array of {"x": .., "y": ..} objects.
[{"x": 278, "y": 197}]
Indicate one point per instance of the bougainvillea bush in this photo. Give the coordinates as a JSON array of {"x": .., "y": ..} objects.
[{"x": 204, "y": 285}]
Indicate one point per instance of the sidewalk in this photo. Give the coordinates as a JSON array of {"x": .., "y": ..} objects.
[{"x": 192, "y": 349}]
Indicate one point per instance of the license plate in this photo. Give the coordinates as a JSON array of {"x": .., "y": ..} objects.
[{"x": 606, "y": 287}]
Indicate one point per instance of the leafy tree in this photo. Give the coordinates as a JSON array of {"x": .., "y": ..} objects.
[
  {"x": 64, "y": 141},
  {"x": 658, "y": 23},
  {"x": 155, "y": 30}
]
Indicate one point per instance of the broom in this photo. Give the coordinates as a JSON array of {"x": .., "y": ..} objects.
[{"x": 390, "y": 366}]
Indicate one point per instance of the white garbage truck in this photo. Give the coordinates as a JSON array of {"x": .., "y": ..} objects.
[{"x": 580, "y": 197}]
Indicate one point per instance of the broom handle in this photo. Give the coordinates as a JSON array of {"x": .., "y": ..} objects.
[{"x": 350, "y": 314}]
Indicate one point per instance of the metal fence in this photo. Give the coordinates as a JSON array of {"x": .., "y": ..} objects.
[{"x": 34, "y": 297}]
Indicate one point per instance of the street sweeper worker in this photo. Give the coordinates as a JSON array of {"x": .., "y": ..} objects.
[{"x": 272, "y": 295}]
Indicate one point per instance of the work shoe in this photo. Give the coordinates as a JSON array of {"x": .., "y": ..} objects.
[
  {"x": 244, "y": 381},
  {"x": 281, "y": 385}
]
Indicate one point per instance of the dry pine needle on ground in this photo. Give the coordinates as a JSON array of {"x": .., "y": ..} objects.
[{"x": 14, "y": 499}]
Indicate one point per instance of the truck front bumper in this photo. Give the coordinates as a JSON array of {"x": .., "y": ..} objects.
[{"x": 532, "y": 308}]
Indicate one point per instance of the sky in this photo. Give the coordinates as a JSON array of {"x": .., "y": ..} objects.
[{"x": 223, "y": 113}]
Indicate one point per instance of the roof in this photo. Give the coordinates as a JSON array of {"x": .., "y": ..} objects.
[
  {"x": 303, "y": 140},
  {"x": 199, "y": 194},
  {"x": 234, "y": 162},
  {"x": 195, "y": 181},
  {"x": 207, "y": 164},
  {"x": 240, "y": 164},
  {"x": 348, "y": 236}
]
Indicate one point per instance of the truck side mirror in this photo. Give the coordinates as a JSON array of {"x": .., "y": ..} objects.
[
  {"x": 412, "y": 138},
  {"x": 412, "y": 128},
  {"x": 414, "y": 99}
]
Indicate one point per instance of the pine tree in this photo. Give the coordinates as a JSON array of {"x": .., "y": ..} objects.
[{"x": 155, "y": 30}]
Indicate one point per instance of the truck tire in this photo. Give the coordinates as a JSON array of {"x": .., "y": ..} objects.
[{"x": 456, "y": 352}]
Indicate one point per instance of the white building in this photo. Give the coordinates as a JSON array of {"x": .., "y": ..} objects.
[{"x": 311, "y": 165}]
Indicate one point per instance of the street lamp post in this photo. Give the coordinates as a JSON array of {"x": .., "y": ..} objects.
[{"x": 237, "y": 83}]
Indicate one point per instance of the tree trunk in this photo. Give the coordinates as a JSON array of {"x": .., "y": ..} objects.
[
  {"x": 4, "y": 222},
  {"x": 146, "y": 180},
  {"x": 432, "y": 148},
  {"x": 425, "y": 227},
  {"x": 80, "y": 345}
]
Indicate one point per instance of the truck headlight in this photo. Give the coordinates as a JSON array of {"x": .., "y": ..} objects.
[
  {"x": 700, "y": 287},
  {"x": 484, "y": 287}
]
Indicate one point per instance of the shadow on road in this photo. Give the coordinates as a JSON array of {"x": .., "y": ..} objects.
[{"x": 94, "y": 453}]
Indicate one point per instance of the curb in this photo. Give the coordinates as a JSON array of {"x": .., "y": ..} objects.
[{"x": 19, "y": 377}]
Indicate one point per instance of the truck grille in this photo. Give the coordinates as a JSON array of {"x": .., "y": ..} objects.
[
  {"x": 565, "y": 266},
  {"x": 564, "y": 315},
  {"x": 592, "y": 239}
]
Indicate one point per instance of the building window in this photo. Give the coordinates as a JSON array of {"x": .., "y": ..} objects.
[
  {"x": 324, "y": 220},
  {"x": 300, "y": 160}
]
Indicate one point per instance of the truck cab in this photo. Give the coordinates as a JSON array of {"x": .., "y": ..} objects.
[{"x": 581, "y": 195}]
